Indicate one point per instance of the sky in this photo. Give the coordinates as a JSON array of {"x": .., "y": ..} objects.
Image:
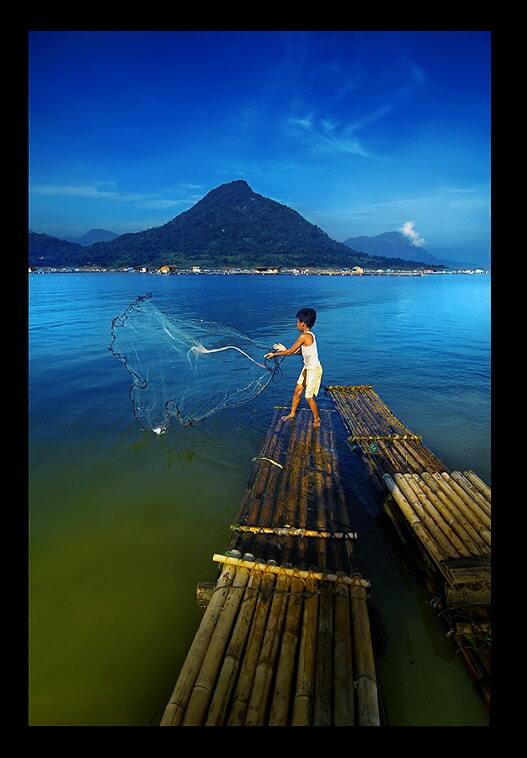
[{"x": 360, "y": 132}]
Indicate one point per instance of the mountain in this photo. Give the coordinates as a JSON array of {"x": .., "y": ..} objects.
[
  {"x": 94, "y": 235},
  {"x": 230, "y": 226},
  {"x": 396, "y": 244},
  {"x": 391, "y": 244},
  {"x": 51, "y": 251}
]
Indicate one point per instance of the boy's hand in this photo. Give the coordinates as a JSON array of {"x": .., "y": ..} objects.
[{"x": 269, "y": 355}]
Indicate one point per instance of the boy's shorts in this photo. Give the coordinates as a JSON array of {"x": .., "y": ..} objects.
[{"x": 310, "y": 378}]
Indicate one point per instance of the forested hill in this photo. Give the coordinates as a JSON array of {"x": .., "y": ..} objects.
[{"x": 230, "y": 226}]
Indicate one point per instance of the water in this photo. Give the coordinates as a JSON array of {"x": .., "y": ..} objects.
[{"x": 123, "y": 524}]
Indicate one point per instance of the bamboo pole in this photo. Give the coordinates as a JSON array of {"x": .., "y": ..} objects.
[
  {"x": 291, "y": 572},
  {"x": 365, "y": 676},
  {"x": 286, "y": 485},
  {"x": 180, "y": 696},
  {"x": 323, "y": 705},
  {"x": 444, "y": 542},
  {"x": 467, "y": 512},
  {"x": 476, "y": 509},
  {"x": 303, "y": 496},
  {"x": 305, "y": 682},
  {"x": 479, "y": 484},
  {"x": 256, "y": 469},
  {"x": 204, "y": 686},
  {"x": 451, "y": 516},
  {"x": 341, "y": 501},
  {"x": 233, "y": 657},
  {"x": 436, "y": 551},
  {"x": 318, "y": 482},
  {"x": 472, "y": 492},
  {"x": 328, "y": 460},
  {"x": 455, "y": 510},
  {"x": 257, "y": 708},
  {"x": 343, "y": 699},
  {"x": 284, "y": 675},
  {"x": 244, "y": 685},
  {"x": 437, "y": 515}
]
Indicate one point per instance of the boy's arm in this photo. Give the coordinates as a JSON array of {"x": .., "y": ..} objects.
[{"x": 292, "y": 350}]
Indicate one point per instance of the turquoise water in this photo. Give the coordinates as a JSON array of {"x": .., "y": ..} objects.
[{"x": 123, "y": 524}]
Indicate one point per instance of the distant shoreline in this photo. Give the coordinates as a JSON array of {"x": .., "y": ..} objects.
[{"x": 231, "y": 272}]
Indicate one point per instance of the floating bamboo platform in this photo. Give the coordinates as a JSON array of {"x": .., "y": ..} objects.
[
  {"x": 443, "y": 517},
  {"x": 285, "y": 636},
  {"x": 294, "y": 509}
]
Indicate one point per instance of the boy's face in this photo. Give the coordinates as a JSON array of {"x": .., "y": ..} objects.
[{"x": 300, "y": 325}]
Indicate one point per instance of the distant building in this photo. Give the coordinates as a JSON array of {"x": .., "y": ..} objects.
[
  {"x": 196, "y": 269},
  {"x": 357, "y": 270},
  {"x": 167, "y": 269},
  {"x": 266, "y": 270}
]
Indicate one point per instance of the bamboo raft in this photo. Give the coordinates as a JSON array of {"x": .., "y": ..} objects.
[
  {"x": 285, "y": 636},
  {"x": 443, "y": 518}
]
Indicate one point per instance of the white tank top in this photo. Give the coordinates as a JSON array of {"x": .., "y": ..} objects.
[{"x": 310, "y": 353}]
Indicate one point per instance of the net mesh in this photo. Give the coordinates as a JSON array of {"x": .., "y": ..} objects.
[{"x": 185, "y": 369}]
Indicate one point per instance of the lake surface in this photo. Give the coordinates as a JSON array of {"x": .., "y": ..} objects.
[{"x": 124, "y": 523}]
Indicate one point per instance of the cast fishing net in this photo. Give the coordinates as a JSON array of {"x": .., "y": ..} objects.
[{"x": 185, "y": 369}]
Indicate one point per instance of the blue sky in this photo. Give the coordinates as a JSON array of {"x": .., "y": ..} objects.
[{"x": 361, "y": 132}]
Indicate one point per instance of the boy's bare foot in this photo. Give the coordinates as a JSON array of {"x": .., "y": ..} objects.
[
  {"x": 316, "y": 423},
  {"x": 286, "y": 418}
]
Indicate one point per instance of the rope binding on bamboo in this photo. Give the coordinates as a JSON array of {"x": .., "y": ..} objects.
[{"x": 384, "y": 437}]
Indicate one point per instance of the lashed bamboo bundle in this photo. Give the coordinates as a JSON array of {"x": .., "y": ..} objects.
[
  {"x": 282, "y": 655},
  {"x": 440, "y": 515},
  {"x": 388, "y": 445}
]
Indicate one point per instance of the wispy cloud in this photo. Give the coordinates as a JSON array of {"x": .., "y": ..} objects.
[
  {"x": 408, "y": 229},
  {"x": 103, "y": 191},
  {"x": 326, "y": 135}
]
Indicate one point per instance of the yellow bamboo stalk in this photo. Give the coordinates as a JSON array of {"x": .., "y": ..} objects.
[
  {"x": 291, "y": 572},
  {"x": 284, "y": 675},
  {"x": 343, "y": 699},
  {"x": 475, "y": 507},
  {"x": 455, "y": 510},
  {"x": 323, "y": 706},
  {"x": 244, "y": 685},
  {"x": 445, "y": 544},
  {"x": 437, "y": 515},
  {"x": 435, "y": 550},
  {"x": 256, "y": 711},
  {"x": 234, "y": 654},
  {"x": 181, "y": 693},
  {"x": 305, "y": 682},
  {"x": 479, "y": 484},
  {"x": 467, "y": 512},
  {"x": 365, "y": 676},
  {"x": 473, "y": 493},
  {"x": 451, "y": 515},
  {"x": 204, "y": 686}
]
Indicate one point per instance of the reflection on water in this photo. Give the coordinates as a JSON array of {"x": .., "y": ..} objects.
[{"x": 123, "y": 523}]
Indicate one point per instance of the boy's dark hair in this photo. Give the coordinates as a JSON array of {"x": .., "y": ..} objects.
[{"x": 307, "y": 315}]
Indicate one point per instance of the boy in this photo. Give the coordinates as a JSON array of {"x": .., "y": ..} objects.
[{"x": 311, "y": 373}]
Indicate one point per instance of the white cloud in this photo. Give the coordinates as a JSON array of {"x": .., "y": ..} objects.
[{"x": 415, "y": 238}]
